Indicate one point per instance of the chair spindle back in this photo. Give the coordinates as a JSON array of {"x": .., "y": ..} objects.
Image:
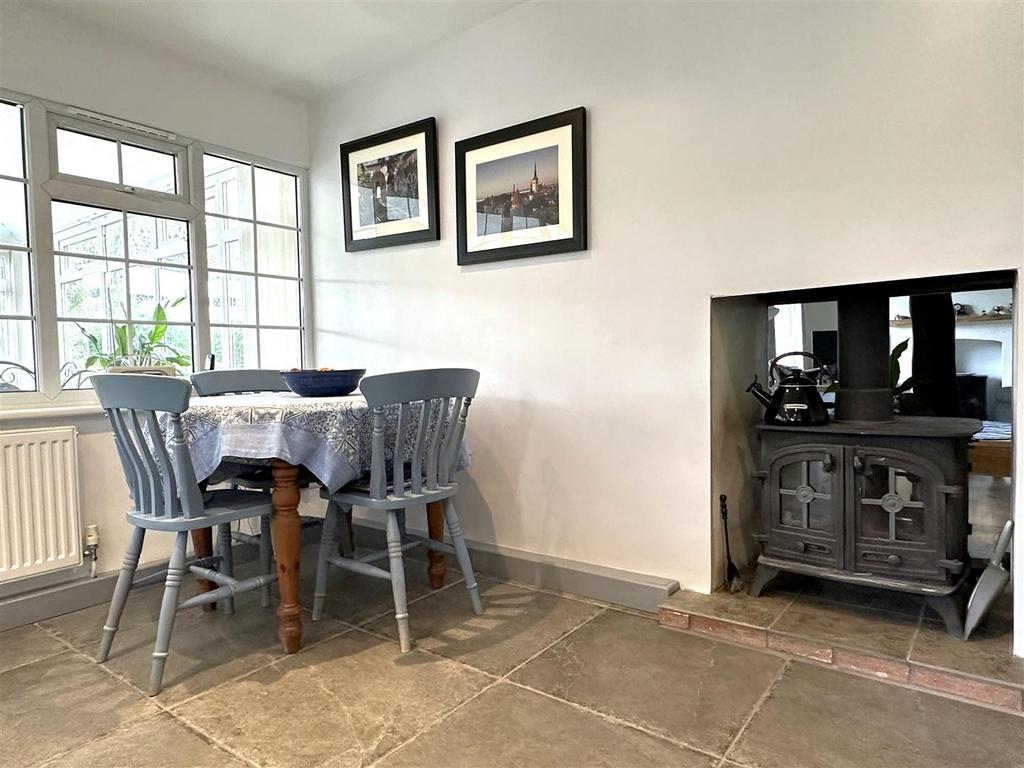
[
  {"x": 162, "y": 483},
  {"x": 437, "y": 402}
]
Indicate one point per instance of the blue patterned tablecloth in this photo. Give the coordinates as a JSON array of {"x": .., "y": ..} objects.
[{"x": 330, "y": 436}]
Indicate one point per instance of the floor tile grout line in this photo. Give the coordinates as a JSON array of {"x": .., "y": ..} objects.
[
  {"x": 497, "y": 680},
  {"x": 273, "y": 661},
  {"x": 116, "y": 729},
  {"x": 209, "y": 737},
  {"x": 773, "y": 622},
  {"x": 761, "y": 701},
  {"x": 617, "y": 720}
]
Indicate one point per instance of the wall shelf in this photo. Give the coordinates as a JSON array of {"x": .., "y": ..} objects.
[{"x": 961, "y": 320}]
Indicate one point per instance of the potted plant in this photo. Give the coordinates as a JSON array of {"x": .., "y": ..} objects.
[{"x": 147, "y": 352}]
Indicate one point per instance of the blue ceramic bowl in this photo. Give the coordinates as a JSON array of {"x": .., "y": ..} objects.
[{"x": 323, "y": 383}]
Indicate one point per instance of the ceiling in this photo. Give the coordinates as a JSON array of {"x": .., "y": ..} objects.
[{"x": 297, "y": 45}]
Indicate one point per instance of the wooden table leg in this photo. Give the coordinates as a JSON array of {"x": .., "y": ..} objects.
[
  {"x": 202, "y": 545},
  {"x": 436, "y": 567},
  {"x": 287, "y": 545}
]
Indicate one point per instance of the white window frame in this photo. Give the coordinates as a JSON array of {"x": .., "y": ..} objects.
[{"x": 45, "y": 184}]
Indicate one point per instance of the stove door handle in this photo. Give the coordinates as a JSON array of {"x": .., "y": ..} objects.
[{"x": 858, "y": 464}]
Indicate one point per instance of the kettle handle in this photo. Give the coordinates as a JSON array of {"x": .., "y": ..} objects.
[{"x": 774, "y": 376}]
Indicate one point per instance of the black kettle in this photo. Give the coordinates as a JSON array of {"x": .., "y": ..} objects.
[{"x": 794, "y": 399}]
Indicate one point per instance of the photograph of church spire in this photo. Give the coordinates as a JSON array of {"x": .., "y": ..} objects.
[
  {"x": 388, "y": 189},
  {"x": 517, "y": 192}
]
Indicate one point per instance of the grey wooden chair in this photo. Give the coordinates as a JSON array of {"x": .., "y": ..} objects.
[
  {"x": 166, "y": 497},
  {"x": 433, "y": 406}
]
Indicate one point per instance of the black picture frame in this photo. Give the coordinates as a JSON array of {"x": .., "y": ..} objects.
[
  {"x": 428, "y": 127},
  {"x": 577, "y": 120}
]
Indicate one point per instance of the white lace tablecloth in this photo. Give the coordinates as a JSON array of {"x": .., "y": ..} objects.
[{"x": 330, "y": 436}]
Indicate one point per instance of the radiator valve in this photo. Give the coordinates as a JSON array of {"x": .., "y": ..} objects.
[{"x": 92, "y": 545}]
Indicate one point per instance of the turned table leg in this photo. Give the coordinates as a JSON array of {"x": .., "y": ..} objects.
[
  {"x": 287, "y": 545},
  {"x": 436, "y": 568}
]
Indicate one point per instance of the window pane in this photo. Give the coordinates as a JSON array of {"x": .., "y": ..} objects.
[
  {"x": 163, "y": 345},
  {"x": 155, "y": 239},
  {"x": 228, "y": 187},
  {"x": 234, "y": 347},
  {"x": 275, "y": 197},
  {"x": 91, "y": 288},
  {"x": 166, "y": 285},
  {"x": 11, "y": 145},
  {"x": 80, "y": 354},
  {"x": 17, "y": 364},
  {"x": 232, "y": 298},
  {"x": 148, "y": 169},
  {"x": 88, "y": 231},
  {"x": 280, "y": 349},
  {"x": 88, "y": 156},
  {"x": 15, "y": 283},
  {"x": 278, "y": 250},
  {"x": 229, "y": 244},
  {"x": 279, "y": 302},
  {"x": 13, "y": 215}
]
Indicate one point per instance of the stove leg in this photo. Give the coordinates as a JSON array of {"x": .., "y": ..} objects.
[
  {"x": 950, "y": 609},
  {"x": 762, "y": 577}
]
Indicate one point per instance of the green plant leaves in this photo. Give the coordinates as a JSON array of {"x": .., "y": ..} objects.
[{"x": 147, "y": 348}]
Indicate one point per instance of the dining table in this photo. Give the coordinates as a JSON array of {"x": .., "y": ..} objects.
[{"x": 328, "y": 436}]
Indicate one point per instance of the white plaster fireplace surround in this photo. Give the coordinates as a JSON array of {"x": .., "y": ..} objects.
[{"x": 734, "y": 149}]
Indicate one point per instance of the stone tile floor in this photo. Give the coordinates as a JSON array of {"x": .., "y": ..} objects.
[{"x": 538, "y": 680}]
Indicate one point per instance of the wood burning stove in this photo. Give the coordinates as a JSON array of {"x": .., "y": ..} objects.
[{"x": 877, "y": 503}]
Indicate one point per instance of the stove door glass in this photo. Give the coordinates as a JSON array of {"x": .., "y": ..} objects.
[
  {"x": 805, "y": 494},
  {"x": 892, "y": 501}
]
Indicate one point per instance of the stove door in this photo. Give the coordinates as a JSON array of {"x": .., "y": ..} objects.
[
  {"x": 806, "y": 504},
  {"x": 898, "y": 514}
]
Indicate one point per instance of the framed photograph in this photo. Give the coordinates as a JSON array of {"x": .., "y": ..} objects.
[
  {"x": 522, "y": 191},
  {"x": 389, "y": 187}
]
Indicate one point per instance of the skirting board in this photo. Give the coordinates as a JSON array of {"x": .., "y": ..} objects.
[
  {"x": 47, "y": 602},
  {"x": 611, "y": 585}
]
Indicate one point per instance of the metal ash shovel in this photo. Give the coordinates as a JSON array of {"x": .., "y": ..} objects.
[{"x": 990, "y": 584}]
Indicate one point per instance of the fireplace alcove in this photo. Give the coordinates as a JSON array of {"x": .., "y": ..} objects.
[{"x": 872, "y": 498}]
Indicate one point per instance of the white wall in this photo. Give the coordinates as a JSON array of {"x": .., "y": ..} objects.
[
  {"x": 734, "y": 148},
  {"x": 44, "y": 55}
]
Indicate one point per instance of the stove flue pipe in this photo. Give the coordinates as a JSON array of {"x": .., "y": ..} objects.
[{"x": 865, "y": 392}]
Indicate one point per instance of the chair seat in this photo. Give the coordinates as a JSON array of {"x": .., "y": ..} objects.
[
  {"x": 222, "y": 506},
  {"x": 358, "y": 493}
]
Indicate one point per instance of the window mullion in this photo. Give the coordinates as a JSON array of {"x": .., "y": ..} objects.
[
  {"x": 37, "y": 159},
  {"x": 202, "y": 341},
  {"x": 256, "y": 268}
]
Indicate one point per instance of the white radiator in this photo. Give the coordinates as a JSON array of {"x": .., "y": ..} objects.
[{"x": 39, "y": 530}]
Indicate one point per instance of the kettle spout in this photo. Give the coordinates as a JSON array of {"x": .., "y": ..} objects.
[{"x": 758, "y": 391}]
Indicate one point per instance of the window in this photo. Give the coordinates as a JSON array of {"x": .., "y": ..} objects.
[
  {"x": 103, "y": 159},
  {"x": 106, "y": 247},
  {"x": 17, "y": 318},
  {"x": 124, "y": 290},
  {"x": 252, "y": 255}
]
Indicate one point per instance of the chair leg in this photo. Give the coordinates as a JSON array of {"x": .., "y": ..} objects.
[
  {"x": 266, "y": 557},
  {"x": 227, "y": 564},
  {"x": 328, "y": 539},
  {"x": 398, "y": 580},
  {"x": 168, "y": 610},
  {"x": 462, "y": 554},
  {"x": 121, "y": 589}
]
